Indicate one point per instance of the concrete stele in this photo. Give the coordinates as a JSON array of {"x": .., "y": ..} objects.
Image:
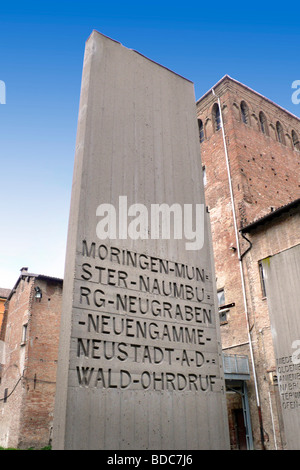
[{"x": 140, "y": 358}]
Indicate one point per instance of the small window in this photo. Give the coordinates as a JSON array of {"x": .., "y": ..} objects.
[
  {"x": 223, "y": 315},
  {"x": 204, "y": 175},
  {"x": 263, "y": 123},
  {"x": 262, "y": 279},
  {"x": 223, "y": 312},
  {"x": 295, "y": 139},
  {"x": 201, "y": 130},
  {"x": 216, "y": 117},
  {"x": 244, "y": 113},
  {"x": 279, "y": 132},
  {"x": 5, "y": 395},
  {"x": 221, "y": 297},
  {"x": 24, "y": 334}
]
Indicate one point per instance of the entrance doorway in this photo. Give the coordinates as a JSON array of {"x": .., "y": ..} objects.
[{"x": 240, "y": 429}]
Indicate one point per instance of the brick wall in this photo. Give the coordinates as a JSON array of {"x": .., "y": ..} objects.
[
  {"x": 4, "y": 293},
  {"x": 18, "y": 314},
  {"x": 265, "y": 172},
  {"x": 27, "y": 416},
  {"x": 265, "y": 176}
]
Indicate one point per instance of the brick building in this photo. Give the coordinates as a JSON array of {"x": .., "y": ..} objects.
[
  {"x": 4, "y": 293},
  {"x": 275, "y": 237},
  {"x": 30, "y": 331},
  {"x": 251, "y": 172},
  {"x": 250, "y": 154}
]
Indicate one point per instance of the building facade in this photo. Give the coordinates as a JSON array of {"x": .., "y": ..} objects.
[
  {"x": 250, "y": 155},
  {"x": 30, "y": 332},
  {"x": 4, "y": 293},
  {"x": 274, "y": 246}
]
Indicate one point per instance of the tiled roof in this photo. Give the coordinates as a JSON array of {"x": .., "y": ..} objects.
[
  {"x": 25, "y": 273},
  {"x": 270, "y": 216}
]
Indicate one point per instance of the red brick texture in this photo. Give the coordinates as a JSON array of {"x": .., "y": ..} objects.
[
  {"x": 265, "y": 176},
  {"x": 27, "y": 415}
]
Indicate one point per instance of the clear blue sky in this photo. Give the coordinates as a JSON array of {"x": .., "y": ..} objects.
[{"x": 42, "y": 46}]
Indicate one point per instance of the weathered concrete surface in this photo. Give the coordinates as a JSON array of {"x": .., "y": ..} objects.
[
  {"x": 140, "y": 359},
  {"x": 282, "y": 278}
]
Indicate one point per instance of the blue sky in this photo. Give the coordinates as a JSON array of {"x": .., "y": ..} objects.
[{"x": 41, "y": 54}]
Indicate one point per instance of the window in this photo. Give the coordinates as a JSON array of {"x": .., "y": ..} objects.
[
  {"x": 201, "y": 131},
  {"x": 295, "y": 139},
  {"x": 262, "y": 279},
  {"x": 223, "y": 315},
  {"x": 221, "y": 302},
  {"x": 24, "y": 334},
  {"x": 221, "y": 297},
  {"x": 263, "y": 123},
  {"x": 204, "y": 175},
  {"x": 244, "y": 113},
  {"x": 216, "y": 117},
  {"x": 279, "y": 131}
]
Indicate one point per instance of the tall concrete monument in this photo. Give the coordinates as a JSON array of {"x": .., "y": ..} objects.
[{"x": 140, "y": 359}]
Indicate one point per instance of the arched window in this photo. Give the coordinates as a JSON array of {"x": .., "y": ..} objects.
[
  {"x": 216, "y": 117},
  {"x": 263, "y": 123},
  {"x": 280, "y": 134},
  {"x": 295, "y": 139},
  {"x": 201, "y": 130},
  {"x": 244, "y": 113}
]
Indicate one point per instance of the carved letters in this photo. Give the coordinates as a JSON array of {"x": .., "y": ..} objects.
[{"x": 142, "y": 323}]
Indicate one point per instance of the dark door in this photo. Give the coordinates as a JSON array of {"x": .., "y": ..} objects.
[{"x": 240, "y": 429}]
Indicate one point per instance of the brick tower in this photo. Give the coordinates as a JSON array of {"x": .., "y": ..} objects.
[{"x": 250, "y": 154}]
